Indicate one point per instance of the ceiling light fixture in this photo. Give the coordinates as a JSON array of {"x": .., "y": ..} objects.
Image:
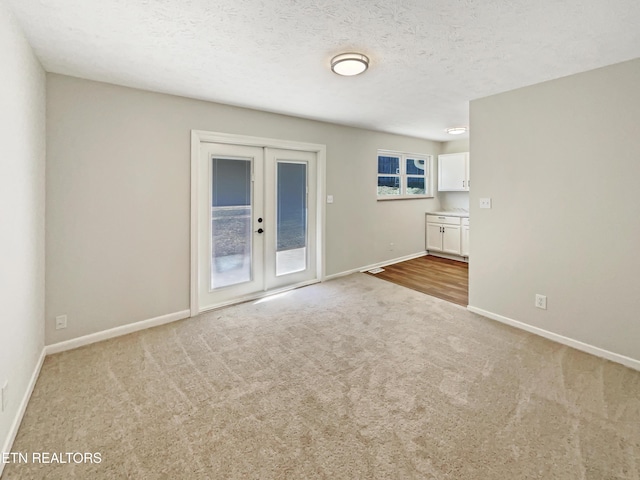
[
  {"x": 349, "y": 64},
  {"x": 456, "y": 130}
]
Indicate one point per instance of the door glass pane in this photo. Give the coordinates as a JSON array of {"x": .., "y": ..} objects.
[
  {"x": 230, "y": 221},
  {"x": 291, "y": 217}
]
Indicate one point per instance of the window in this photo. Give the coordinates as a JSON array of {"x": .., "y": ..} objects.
[{"x": 403, "y": 175}]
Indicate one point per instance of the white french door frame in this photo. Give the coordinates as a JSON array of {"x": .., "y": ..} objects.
[{"x": 200, "y": 136}]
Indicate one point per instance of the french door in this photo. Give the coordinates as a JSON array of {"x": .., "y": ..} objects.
[{"x": 256, "y": 221}]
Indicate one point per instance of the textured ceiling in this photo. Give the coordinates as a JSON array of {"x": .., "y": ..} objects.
[{"x": 428, "y": 58}]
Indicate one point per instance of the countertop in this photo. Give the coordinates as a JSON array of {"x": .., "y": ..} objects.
[{"x": 450, "y": 213}]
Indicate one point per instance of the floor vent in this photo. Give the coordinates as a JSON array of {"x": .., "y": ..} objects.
[{"x": 376, "y": 270}]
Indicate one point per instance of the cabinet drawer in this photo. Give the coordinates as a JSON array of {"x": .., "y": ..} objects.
[
  {"x": 465, "y": 221},
  {"x": 443, "y": 219}
]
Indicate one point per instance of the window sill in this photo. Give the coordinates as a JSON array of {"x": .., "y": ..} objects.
[{"x": 403, "y": 197}]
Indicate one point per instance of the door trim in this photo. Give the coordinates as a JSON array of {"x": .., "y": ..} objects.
[{"x": 202, "y": 136}]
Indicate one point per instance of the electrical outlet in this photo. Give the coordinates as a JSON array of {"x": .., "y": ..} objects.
[
  {"x": 61, "y": 322},
  {"x": 391, "y": 246},
  {"x": 485, "y": 203},
  {"x": 541, "y": 301},
  {"x": 4, "y": 399}
]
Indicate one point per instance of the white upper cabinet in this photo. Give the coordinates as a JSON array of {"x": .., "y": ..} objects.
[{"x": 453, "y": 172}]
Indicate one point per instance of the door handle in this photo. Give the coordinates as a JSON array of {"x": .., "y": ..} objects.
[{"x": 259, "y": 230}]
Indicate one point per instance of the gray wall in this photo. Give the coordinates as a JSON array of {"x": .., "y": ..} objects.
[
  {"x": 561, "y": 161},
  {"x": 455, "y": 146},
  {"x": 118, "y": 163},
  {"x": 22, "y": 154}
]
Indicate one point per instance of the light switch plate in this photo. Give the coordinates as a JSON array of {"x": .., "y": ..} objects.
[
  {"x": 329, "y": 198},
  {"x": 485, "y": 203}
]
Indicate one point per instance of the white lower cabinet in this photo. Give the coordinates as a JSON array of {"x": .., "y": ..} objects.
[
  {"x": 434, "y": 236},
  {"x": 464, "y": 248},
  {"x": 447, "y": 235},
  {"x": 451, "y": 239}
]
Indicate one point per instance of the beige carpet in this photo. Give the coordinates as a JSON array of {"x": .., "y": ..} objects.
[{"x": 352, "y": 379}]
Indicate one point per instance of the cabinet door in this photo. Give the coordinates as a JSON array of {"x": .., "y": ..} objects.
[
  {"x": 464, "y": 250},
  {"x": 434, "y": 236},
  {"x": 451, "y": 239},
  {"x": 452, "y": 172}
]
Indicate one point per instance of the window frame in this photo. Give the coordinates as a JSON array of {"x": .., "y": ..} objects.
[{"x": 403, "y": 176}]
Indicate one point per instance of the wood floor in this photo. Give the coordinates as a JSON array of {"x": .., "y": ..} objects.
[{"x": 440, "y": 277}]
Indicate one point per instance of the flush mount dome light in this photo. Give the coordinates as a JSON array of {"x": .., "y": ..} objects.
[
  {"x": 349, "y": 64},
  {"x": 456, "y": 130}
]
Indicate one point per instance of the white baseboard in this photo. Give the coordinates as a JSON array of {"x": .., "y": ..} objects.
[
  {"x": 375, "y": 265},
  {"x": 585, "y": 347},
  {"x": 457, "y": 258},
  {"x": 13, "y": 430},
  {"x": 115, "y": 332}
]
